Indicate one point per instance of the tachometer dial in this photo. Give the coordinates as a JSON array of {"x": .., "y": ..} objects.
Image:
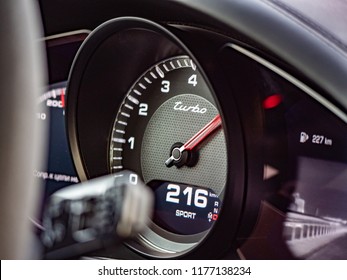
[
  {"x": 169, "y": 131},
  {"x": 150, "y": 108}
]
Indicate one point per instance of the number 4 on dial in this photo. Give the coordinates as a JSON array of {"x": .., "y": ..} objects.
[{"x": 193, "y": 80}]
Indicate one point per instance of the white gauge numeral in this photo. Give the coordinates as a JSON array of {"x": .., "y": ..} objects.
[
  {"x": 200, "y": 198},
  {"x": 131, "y": 142},
  {"x": 133, "y": 178},
  {"x": 143, "y": 108},
  {"x": 173, "y": 192},
  {"x": 41, "y": 116},
  {"x": 193, "y": 80},
  {"x": 165, "y": 86},
  {"x": 200, "y": 195}
]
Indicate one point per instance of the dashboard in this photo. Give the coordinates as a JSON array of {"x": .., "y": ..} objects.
[{"x": 224, "y": 116}]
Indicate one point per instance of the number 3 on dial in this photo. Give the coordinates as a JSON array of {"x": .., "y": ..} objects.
[{"x": 165, "y": 86}]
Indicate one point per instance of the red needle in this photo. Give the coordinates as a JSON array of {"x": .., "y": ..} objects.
[
  {"x": 203, "y": 133},
  {"x": 198, "y": 137}
]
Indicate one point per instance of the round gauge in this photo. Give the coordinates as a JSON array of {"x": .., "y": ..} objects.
[
  {"x": 150, "y": 109},
  {"x": 169, "y": 131}
]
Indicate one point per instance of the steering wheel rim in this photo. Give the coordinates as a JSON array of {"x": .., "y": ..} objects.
[{"x": 21, "y": 144}]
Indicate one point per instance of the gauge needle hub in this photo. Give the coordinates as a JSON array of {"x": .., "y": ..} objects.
[{"x": 194, "y": 141}]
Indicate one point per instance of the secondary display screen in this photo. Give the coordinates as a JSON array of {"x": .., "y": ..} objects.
[
  {"x": 59, "y": 170},
  {"x": 316, "y": 225},
  {"x": 184, "y": 209},
  {"x": 309, "y": 164},
  {"x": 302, "y": 192}
]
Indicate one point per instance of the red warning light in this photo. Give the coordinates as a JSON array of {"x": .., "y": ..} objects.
[
  {"x": 214, "y": 217},
  {"x": 272, "y": 101}
]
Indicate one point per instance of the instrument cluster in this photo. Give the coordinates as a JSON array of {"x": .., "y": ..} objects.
[{"x": 240, "y": 151}]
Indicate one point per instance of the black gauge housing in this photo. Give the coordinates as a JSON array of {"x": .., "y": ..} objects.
[{"x": 107, "y": 65}]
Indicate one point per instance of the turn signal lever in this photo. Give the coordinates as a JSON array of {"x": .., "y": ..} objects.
[{"x": 92, "y": 215}]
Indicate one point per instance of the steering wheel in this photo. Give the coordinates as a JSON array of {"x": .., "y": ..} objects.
[{"x": 21, "y": 143}]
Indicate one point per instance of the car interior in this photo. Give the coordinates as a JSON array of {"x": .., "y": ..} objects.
[{"x": 173, "y": 129}]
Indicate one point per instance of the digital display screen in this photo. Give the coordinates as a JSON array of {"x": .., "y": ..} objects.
[
  {"x": 184, "y": 209},
  {"x": 60, "y": 171},
  {"x": 316, "y": 222},
  {"x": 302, "y": 196}
]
